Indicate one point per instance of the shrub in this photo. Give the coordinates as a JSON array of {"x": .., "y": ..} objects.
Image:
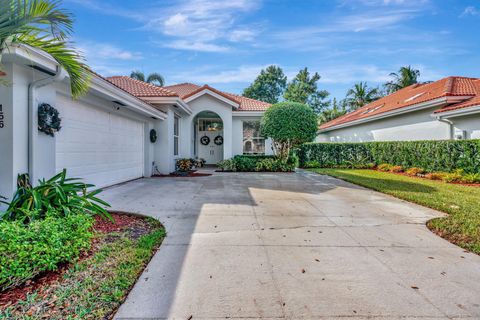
[
  {"x": 396, "y": 169},
  {"x": 436, "y": 175},
  {"x": 312, "y": 164},
  {"x": 227, "y": 165},
  {"x": 455, "y": 176},
  {"x": 245, "y": 163},
  {"x": 59, "y": 196},
  {"x": 289, "y": 124},
  {"x": 266, "y": 165},
  {"x": 385, "y": 167},
  {"x": 27, "y": 250},
  {"x": 433, "y": 156},
  {"x": 184, "y": 164},
  {"x": 414, "y": 171},
  {"x": 471, "y": 178}
]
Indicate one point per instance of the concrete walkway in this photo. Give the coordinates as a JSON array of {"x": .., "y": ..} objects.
[{"x": 293, "y": 246}]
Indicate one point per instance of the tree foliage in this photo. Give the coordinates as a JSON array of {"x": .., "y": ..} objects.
[
  {"x": 43, "y": 25},
  {"x": 361, "y": 95},
  {"x": 405, "y": 77},
  {"x": 337, "y": 109},
  {"x": 268, "y": 86},
  {"x": 153, "y": 78},
  {"x": 304, "y": 89},
  {"x": 289, "y": 124}
]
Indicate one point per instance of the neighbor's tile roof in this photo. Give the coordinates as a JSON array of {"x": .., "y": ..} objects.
[
  {"x": 139, "y": 88},
  {"x": 185, "y": 90},
  {"x": 410, "y": 96},
  {"x": 474, "y": 101}
]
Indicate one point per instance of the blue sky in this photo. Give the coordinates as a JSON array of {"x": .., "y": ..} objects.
[{"x": 226, "y": 43}]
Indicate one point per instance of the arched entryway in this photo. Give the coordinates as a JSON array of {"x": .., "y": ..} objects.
[{"x": 208, "y": 137}]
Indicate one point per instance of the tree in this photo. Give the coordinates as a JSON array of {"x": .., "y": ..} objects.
[
  {"x": 43, "y": 25},
  {"x": 337, "y": 110},
  {"x": 405, "y": 77},
  {"x": 268, "y": 86},
  {"x": 303, "y": 89},
  {"x": 289, "y": 124},
  {"x": 361, "y": 95},
  {"x": 153, "y": 78}
]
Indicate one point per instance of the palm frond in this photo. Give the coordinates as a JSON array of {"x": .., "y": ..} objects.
[
  {"x": 137, "y": 75},
  {"x": 156, "y": 79}
]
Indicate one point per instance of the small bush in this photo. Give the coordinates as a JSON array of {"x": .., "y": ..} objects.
[
  {"x": 27, "y": 250},
  {"x": 312, "y": 164},
  {"x": 414, "y": 171},
  {"x": 436, "y": 175},
  {"x": 227, "y": 165},
  {"x": 246, "y": 163},
  {"x": 455, "y": 176},
  {"x": 471, "y": 178},
  {"x": 59, "y": 196},
  {"x": 396, "y": 169},
  {"x": 266, "y": 165},
  {"x": 385, "y": 167},
  {"x": 252, "y": 163},
  {"x": 184, "y": 164}
]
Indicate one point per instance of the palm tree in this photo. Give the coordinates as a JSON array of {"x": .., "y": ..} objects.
[
  {"x": 337, "y": 110},
  {"x": 153, "y": 78},
  {"x": 361, "y": 95},
  {"x": 43, "y": 25},
  {"x": 405, "y": 77}
]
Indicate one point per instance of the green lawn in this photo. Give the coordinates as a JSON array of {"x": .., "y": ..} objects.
[{"x": 462, "y": 203}]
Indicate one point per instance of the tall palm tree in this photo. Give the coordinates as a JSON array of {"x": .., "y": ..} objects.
[
  {"x": 405, "y": 77},
  {"x": 361, "y": 95},
  {"x": 44, "y": 25},
  {"x": 153, "y": 78}
]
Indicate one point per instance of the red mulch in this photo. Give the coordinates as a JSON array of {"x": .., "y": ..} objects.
[
  {"x": 189, "y": 175},
  {"x": 11, "y": 296},
  {"x": 418, "y": 177}
]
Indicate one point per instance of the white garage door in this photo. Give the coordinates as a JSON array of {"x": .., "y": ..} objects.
[{"x": 101, "y": 147}]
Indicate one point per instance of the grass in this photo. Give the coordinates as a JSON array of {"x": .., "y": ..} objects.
[
  {"x": 95, "y": 287},
  {"x": 461, "y": 226}
]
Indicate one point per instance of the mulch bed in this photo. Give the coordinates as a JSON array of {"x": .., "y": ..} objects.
[
  {"x": 136, "y": 225},
  {"x": 420, "y": 177}
]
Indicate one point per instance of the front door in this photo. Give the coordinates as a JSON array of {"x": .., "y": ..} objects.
[{"x": 210, "y": 146}]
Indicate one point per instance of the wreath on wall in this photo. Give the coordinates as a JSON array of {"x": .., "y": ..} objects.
[
  {"x": 205, "y": 140},
  {"x": 49, "y": 121},
  {"x": 218, "y": 140},
  {"x": 153, "y": 136}
]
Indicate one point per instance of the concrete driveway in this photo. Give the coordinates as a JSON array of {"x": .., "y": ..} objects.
[{"x": 293, "y": 246}]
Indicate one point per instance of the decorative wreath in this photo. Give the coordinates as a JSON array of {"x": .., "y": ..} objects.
[
  {"x": 205, "y": 140},
  {"x": 48, "y": 119},
  {"x": 218, "y": 140},
  {"x": 153, "y": 136}
]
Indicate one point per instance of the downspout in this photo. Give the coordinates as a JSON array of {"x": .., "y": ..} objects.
[
  {"x": 450, "y": 127},
  {"x": 32, "y": 124}
]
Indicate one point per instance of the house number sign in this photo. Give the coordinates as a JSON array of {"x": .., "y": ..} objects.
[{"x": 2, "y": 117}]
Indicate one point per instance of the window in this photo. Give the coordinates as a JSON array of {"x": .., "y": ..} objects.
[
  {"x": 210, "y": 125},
  {"x": 176, "y": 131},
  {"x": 253, "y": 142}
]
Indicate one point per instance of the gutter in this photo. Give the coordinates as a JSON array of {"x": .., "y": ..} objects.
[
  {"x": 451, "y": 127},
  {"x": 32, "y": 124}
]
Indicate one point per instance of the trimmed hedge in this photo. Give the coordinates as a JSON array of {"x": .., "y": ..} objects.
[
  {"x": 444, "y": 155},
  {"x": 250, "y": 163},
  {"x": 29, "y": 249}
]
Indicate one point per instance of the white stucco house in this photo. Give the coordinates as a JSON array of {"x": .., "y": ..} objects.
[
  {"x": 445, "y": 109},
  {"x": 105, "y": 135}
]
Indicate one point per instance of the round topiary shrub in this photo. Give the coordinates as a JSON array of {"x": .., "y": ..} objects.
[{"x": 289, "y": 124}]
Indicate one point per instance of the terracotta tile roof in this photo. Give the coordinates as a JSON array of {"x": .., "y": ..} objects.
[
  {"x": 410, "y": 96},
  {"x": 474, "y": 101},
  {"x": 139, "y": 88},
  {"x": 185, "y": 90}
]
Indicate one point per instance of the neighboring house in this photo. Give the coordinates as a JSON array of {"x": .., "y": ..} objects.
[
  {"x": 105, "y": 135},
  {"x": 445, "y": 109}
]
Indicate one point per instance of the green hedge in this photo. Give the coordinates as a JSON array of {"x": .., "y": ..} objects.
[
  {"x": 250, "y": 163},
  {"x": 429, "y": 155},
  {"x": 27, "y": 250}
]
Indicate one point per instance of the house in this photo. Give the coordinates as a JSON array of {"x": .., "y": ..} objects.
[
  {"x": 445, "y": 109},
  {"x": 108, "y": 136}
]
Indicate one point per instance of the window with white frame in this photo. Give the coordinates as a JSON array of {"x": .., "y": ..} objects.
[
  {"x": 176, "y": 132},
  {"x": 253, "y": 142}
]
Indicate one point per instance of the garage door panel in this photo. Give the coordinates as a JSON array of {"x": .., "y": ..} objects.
[{"x": 101, "y": 147}]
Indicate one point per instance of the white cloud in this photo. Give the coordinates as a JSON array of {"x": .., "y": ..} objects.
[
  {"x": 195, "y": 46},
  {"x": 94, "y": 51},
  {"x": 242, "y": 74},
  {"x": 470, "y": 11}
]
